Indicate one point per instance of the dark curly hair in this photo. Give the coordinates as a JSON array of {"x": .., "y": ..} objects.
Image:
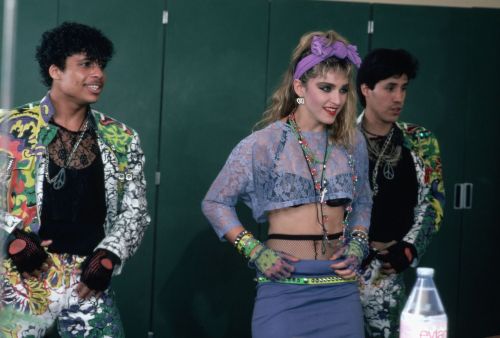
[
  {"x": 381, "y": 64},
  {"x": 71, "y": 38}
]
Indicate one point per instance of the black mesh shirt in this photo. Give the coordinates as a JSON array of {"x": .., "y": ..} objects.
[{"x": 73, "y": 215}]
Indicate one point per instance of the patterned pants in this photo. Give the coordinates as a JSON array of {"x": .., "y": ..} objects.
[
  {"x": 30, "y": 307},
  {"x": 383, "y": 298}
]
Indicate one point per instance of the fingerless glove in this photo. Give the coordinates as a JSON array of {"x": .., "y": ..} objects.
[
  {"x": 97, "y": 269},
  {"x": 26, "y": 251},
  {"x": 258, "y": 254},
  {"x": 400, "y": 255},
  {"x": 357, "y": 247}
]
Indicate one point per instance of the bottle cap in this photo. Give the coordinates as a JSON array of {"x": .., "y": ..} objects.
[{"x": 425, "y": 272}]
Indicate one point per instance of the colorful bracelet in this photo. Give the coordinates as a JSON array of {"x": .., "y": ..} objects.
[{"x": 245, "y": 243}]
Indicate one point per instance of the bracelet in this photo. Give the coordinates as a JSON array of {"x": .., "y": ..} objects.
[
  {"x": 247, "y": 244},
  {"x": 238, "y": 238},
  {"x": 359, "y": 235}
]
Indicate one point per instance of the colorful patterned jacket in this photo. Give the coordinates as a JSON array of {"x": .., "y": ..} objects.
[
  {"x": 428, "y": 213},
  {"x": 24, "y": 136},
  {"x": 428, "y": 216}
]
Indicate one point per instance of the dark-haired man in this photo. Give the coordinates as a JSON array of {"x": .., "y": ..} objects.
[
  {"x": 406, "y": 180},
  {"x": 74, "y": 201}
]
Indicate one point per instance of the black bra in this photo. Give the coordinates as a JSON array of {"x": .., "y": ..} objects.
[
  {"x": 304, "y": 237},
  {"x": 337, "y": 202}
]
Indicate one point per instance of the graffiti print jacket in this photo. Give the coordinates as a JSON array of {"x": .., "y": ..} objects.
[
  {"x": 428, "y": 213},
  {"x": 24, "y": 136}
]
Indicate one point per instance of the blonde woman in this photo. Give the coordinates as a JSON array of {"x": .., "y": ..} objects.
[{"x": 304, "y": 172}]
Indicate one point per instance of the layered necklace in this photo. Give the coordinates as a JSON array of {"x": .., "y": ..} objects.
[
  {"x": 320, "y": 188},
  {"x": 387, "y": 153},
  {"x": 59, "y": 179}
]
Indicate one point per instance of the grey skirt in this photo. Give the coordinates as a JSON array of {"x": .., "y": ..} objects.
[{"x": 308, "y": 311}]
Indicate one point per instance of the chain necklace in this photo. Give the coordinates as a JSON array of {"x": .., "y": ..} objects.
[
  {"x": 320, "y": 189},
  {"x": 59, "y": 179},
  {"x": 388, "y": 169}
]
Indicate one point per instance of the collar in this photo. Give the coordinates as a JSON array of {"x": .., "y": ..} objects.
[{"x": 47, "y": 110}]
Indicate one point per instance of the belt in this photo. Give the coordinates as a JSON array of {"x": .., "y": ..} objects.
[{"x": 327, "y": 280}]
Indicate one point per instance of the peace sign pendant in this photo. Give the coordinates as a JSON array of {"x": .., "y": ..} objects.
[{"x": 388, "y": 171}]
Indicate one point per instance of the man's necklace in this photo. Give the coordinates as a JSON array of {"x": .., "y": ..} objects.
[
  {"x": 388, "y": 169},
  {"x": 59, "y": 179}
]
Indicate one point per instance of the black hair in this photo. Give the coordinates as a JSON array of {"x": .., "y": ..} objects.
[
  {"x": 71, "y": 38},
  {"x": 383, "y": 63}
]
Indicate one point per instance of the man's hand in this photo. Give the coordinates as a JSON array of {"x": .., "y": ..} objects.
[
  {"x": 28, "y": 254},
  {"x": 96, "y": 274}
]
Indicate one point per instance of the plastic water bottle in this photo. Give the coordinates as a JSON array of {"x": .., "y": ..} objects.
[{"x": 423, "y": 315}]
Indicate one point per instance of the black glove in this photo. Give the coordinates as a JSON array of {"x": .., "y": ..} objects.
[
  {"x": 26, "y": 251},
  {"x": 98, "y": 268},
  {"x": 400, "y": 256}
]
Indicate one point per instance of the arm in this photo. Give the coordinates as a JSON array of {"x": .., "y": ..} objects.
[
  {"x": 129, "y": 225},
  {"x": 429, "y": 209},
  {"x": 235, "y": 181}
]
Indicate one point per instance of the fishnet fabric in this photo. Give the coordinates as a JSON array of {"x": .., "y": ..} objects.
[{"x": 304, "y": 249}]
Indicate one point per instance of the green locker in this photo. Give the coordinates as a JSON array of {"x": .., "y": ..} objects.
[
  {"x": 214, "y": 93},
  {"x": 132, "y": 95},
  {"x": 478, "y": 299}
]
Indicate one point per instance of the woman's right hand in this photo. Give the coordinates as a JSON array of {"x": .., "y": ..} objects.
[{"x": 274, "y": 265}]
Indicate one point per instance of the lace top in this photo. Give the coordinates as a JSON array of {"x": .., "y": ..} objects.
[
  {"x": 267, "y": 171},
  {"x": 73, "y": 215}
]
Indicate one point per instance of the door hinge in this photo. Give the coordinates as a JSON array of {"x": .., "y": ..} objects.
[{"x": 164, "y": 19}]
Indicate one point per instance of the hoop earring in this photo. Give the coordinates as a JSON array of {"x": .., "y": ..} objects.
[{"x": 300, "y": 100}]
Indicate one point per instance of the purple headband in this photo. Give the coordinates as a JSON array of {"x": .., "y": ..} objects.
[{"x": 321, "y": 51}]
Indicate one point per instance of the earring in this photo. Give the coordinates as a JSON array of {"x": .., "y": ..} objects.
[{"x": 300, "y": 100}]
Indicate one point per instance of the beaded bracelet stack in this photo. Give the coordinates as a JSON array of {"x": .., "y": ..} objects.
[
  {"x": 360, "y": 239},
  {"x": 245, "y": 243}
]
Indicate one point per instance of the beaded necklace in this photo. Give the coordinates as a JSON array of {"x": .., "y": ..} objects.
[{"x": 320, "y": 189}]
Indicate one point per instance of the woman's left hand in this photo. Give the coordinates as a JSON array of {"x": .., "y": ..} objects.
[{"x": 347, "y": 266}]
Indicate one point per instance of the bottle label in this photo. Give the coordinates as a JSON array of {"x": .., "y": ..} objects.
[{"x": 423, "y": 327}]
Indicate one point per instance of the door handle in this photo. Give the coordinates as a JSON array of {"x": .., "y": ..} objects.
[{"x": 462, "y": 198}]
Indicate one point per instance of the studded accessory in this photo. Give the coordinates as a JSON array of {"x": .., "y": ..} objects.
[
  {"x": 326, "y": 280},
  {"x": 258, "y": 254},
  {"x": 300, "y": 100},
  {"x": 357, "y": 246}
]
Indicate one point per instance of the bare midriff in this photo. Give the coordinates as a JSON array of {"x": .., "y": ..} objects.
[{"x": 303, "y": 220}]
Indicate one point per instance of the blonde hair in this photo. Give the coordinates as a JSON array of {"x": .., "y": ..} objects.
[{"x": 283, "y": 101}]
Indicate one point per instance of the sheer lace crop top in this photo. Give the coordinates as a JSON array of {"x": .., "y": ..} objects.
[{"x": 267, "y": 171}]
